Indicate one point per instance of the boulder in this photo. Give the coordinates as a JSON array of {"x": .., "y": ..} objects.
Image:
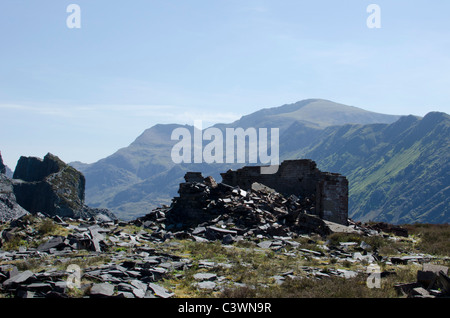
[
  {"x": 52, "y": 187},
  {"x": 49, "y": 186}
]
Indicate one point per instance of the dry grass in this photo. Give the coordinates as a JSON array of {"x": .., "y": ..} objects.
[
  {"x": 333, "y": 287},
  {"x": 433, "y": 238}
]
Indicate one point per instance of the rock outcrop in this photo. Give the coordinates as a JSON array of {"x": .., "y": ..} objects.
[
  {"x": 9, "y": 208},
  {"x": 2, "y": 165},
  {"x": 52, "y": 187}
]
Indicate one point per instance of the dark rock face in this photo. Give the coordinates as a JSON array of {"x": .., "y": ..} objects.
[
  {"x": 48, "y": 186},
  {"x": 9, "y": 208},
  {"x": 2, "y": 166},
  {"x": 32, "y": 169},
  {"x": 52, "y": 187}
]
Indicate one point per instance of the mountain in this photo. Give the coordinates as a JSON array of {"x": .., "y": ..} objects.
[
  {"x": 313, "y": 113},
  {"x": 398, "y": 173},
  {"x": 141, "y": 176}
]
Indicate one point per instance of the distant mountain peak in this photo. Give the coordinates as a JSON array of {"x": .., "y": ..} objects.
[
  {"x": 315, "y": 113},
  {"x": 436, "y": 116}
]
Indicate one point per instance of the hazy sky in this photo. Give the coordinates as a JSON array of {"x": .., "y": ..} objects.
[{"x": 84, "y": 93}]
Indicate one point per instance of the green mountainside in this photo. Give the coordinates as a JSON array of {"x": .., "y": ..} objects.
[{"x": 398, "y": 173}]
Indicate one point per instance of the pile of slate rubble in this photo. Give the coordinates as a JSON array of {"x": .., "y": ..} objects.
[
  {"x": 209, "y": 210},
  {"x": 124, "y": 263},
  {"x": 131, "y": 270}
]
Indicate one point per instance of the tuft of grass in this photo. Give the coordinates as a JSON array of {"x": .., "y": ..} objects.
[
  {"x": 14, "y": 243},
  {"x": 47, "y": 227},
  {"x": 337, "y": 238},
  {"x": 85, "y": 261}
]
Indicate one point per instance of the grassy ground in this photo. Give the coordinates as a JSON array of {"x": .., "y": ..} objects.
[
  {"x": 433, "y": 238},
  {"x": 254, "y": 267}
]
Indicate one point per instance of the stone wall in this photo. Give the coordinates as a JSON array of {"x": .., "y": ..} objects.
[
  {"x": 332, "y": 198},
  {"x": 303, "y": 179}
]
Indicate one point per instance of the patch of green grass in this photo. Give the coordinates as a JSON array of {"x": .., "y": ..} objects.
[
  {"x": 14, "y": 243},
  {"x": 32, "y": 264},
  {"x": 46, "y": 227}
]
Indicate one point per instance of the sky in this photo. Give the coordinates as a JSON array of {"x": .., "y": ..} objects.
[{"x": 83, "y": 93}]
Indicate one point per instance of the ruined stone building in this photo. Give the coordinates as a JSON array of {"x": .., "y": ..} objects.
[{"x": 303, "y": 179}]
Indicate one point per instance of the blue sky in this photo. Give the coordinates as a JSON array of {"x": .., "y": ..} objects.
[{"x": 84, "y": 93}]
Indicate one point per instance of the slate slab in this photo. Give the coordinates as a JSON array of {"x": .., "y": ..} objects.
[
  {"x": 265, "y": 244},
  {"x": 206, "y": 285},
  {"x": 205, "y": 276},
  {"x": 56, "y": 242},
  {"x": 347, "y": 274},
  {"x": 160, "y": 291},
  {"x": 102, "y": 290},
  {"x": 42, "y": 287},
  {"x": 139, "y": 293},
  {"x": 19, "y": 278}
]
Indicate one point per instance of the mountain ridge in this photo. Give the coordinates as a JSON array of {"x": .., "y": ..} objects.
[
  {"x": 141, "y": 176},
  {"x": 395, "y": 178},
  {"x": 316, "y": 113}
]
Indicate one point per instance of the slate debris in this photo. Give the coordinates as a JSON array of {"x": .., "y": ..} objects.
[
  {"x": 131, "y": 275},
  {"x": 432, "y": 281},
  {"x": 217, "y": 212},
  {"x": 137, "y": 272},
  {"x": 209, "y": 210}
]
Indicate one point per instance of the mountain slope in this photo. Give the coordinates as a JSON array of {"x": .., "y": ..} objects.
[
  {"x": 142, "y": 176},
  {"x": 315, "y": 113},
  {"x": 398, "y": 173}
]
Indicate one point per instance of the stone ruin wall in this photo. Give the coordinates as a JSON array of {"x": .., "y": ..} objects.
[{"x": 301, "y": 178}]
